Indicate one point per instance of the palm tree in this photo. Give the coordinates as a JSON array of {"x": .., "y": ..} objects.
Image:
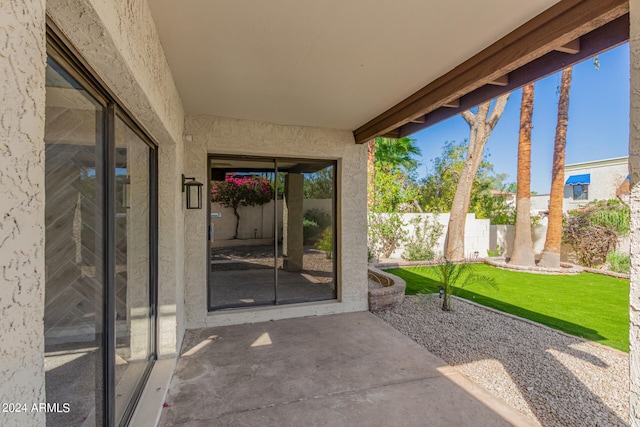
[
  {"x": 393, "y": 154},
  {"x": 390, "y": 155},
  {"x": 551, "y": 254},
  {"x": 523, "y": 246},
  {"x": 453, "y": 277}
]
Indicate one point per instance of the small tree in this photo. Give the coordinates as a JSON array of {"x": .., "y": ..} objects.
[
  {"x": 235, "y": 191},
  {"x": 419, "y": 245},
  {"x": 453, "y": 277},
  {"x": 385, "y": 233}
]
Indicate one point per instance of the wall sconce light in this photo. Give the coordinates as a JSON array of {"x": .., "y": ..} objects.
[
  {"x": 193, "y": 189},
  {"x": 126, "y": 192}
]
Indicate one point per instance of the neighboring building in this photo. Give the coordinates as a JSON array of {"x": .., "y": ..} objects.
[
  {"x": 595, "y": 180},
  {"x": 587, "y": 181},
  {"x": 108, "y": 104}
]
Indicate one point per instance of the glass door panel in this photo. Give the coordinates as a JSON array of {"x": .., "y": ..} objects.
[
  {"x": 306, "y": 261},
  {"x": 133, "y": 331},
  {"x": 242, "y": 233},
  {"x": 74, "y": 254}
]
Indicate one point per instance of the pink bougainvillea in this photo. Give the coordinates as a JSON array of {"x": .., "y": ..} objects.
[{"x": 236, "y": 191}]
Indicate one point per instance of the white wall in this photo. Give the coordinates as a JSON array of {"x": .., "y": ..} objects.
[
  {"x": 539, "y": 203},
  {"x": 213, "y": 135},
  {"x": 255, "y": 221},
  {"x": 476, "y": 234},
  {"x": 504, "y": 235}
]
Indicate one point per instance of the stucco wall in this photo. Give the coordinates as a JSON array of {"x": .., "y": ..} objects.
[
  {"x": 634, "y": 169},
  {"x": 256, "y": 221},
  {"x": 242, "y": 137},
  {"x": 476, "y": 234},
  {"x": 22, "y": 101},
  {"x": 119, "y": 41}
]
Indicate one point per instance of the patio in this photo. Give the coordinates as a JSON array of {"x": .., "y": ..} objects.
[{"x": 346, "y": 369}]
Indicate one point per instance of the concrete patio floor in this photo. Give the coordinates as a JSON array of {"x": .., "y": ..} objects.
[{"x": 346, "y": 369}]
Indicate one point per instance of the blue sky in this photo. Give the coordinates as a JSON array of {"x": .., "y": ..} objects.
[{"x": 598, "y": 122}]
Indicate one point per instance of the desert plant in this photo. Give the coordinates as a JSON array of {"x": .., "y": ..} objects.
[
  {"x": 385, "y": 233},
  {"x": 325, "y": 243},
  {"x": 453, "y": 277},
  {"x": 620, "y": 262},
  {"x": 419, "y": 246}
]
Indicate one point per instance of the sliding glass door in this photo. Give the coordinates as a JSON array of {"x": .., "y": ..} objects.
[
  {"x": 271, "y": 231},
  {"x": 100, "y": 240},
  {"x": 74, "y": 248}
]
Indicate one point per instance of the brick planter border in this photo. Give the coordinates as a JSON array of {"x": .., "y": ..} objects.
[{"x": 390, "y": 295}]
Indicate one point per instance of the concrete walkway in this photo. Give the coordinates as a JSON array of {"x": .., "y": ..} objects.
[{"x": 340, "y": 370}]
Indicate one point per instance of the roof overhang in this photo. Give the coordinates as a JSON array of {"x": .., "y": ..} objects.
[{"x": 566, "y": 33}]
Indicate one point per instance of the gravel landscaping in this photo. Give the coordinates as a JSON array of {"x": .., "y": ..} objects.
[{"x": 557, "y": 379}]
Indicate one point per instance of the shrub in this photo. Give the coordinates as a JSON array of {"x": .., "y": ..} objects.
[
  {"x": 593, "y": 231},
  {"x": 325, "y": 243},
  {"x": 419, "y": 246},
  {"x": 385, "y": 233},
  {"x": 620, "y": 262},
  {"x": 319, "y": 216},
  {"x": 495, "y": 253},
  {"x": 309, "y": 228}
]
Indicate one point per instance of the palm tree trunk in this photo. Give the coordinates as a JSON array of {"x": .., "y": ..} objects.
[
  {"x": 551, "y": 254},
  {"x": 523, "y": 246}
]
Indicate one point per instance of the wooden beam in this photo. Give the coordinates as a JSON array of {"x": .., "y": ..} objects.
[
  {"x": 572, "y": 47},
  {"x": 418, "y": 120},
  {"x": 393, "y": 134},
  {"x": 501, "y": 81},
  {"x": 610, "y": 35},
  {"x": 453, "y": 104},
  {"x": 567, "y": 20}
]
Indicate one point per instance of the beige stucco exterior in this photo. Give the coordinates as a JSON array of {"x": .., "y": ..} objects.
[
  {"x": 22, "y": 100},
  {"x": 634, "y": 170},
  {"x": 118, "y": 41},
  {"x": 212, "y": 135}
]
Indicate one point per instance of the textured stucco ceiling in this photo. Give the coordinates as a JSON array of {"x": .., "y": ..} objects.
[{"x": 328, "y": 63}]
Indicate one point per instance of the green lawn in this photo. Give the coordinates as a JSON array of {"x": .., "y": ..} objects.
[{"x": 591, "y": 306}]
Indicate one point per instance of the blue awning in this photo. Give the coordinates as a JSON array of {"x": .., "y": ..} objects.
[{"x": 579, "y": 179}]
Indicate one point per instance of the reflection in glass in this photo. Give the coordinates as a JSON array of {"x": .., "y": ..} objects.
[
  {"x": 133, "y": 324},
  {"x": 74, "y": 255},
  {"x": 294, "y": 232},
  {"x": 306, "y": 263},
  {"x": 243, "y": 233}
]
